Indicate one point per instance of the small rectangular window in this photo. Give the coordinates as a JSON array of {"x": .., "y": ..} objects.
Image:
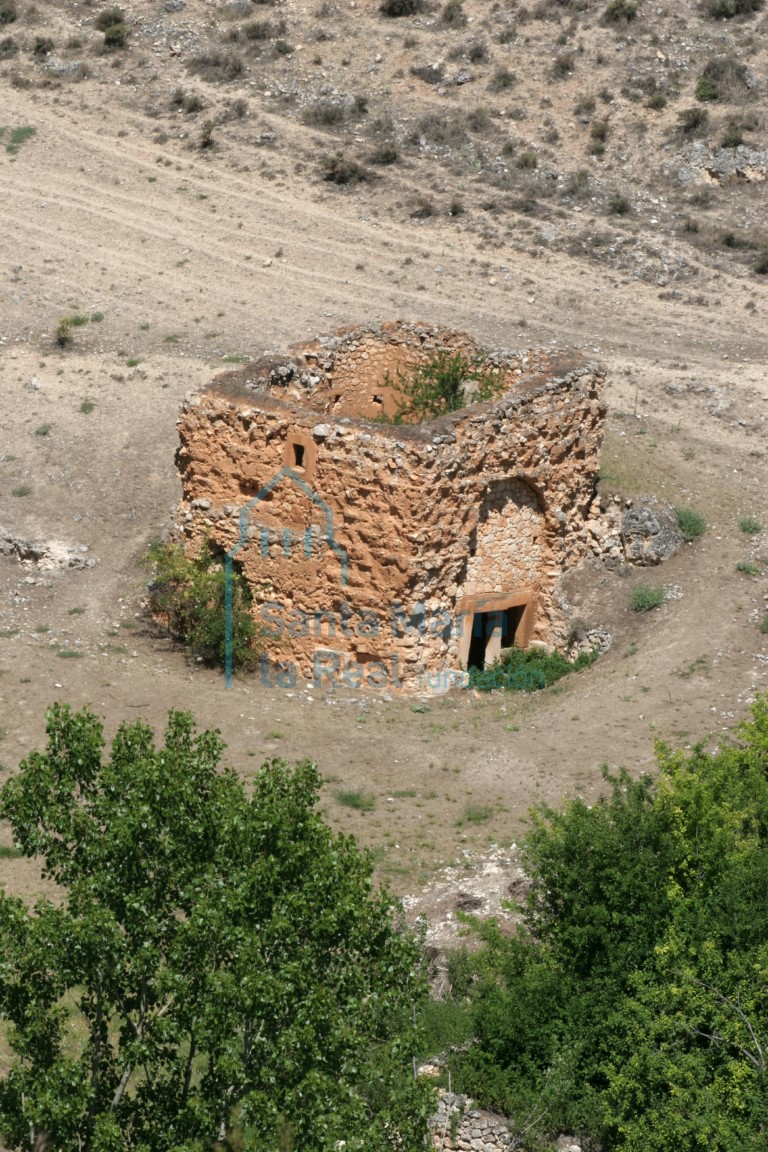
[{"x": 298, "y": 455}]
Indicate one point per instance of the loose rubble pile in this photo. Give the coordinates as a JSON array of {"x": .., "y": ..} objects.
[
  {"x": 45, "y": 555},
  {"x": 457, "y": 1124}
]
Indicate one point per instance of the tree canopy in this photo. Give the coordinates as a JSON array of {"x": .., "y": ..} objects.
[
  {"x": 632, "y": 1006},
  {"x": 218, "y": 967}
]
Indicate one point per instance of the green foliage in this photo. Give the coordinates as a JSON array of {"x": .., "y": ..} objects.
[
  {"x": 748, "y": 568},
  {"x": 763, "y": 625},
  {"x": 215, "y": 964},
  {"x": 188, "y": 596},
  {"x": 693, "y": 120},
  {"x": 691, "y": 523},
  {"x": 396, "y": 8},
  {"x": 116, "y": 36},
  {"x": 444, "y": 1023},
  {"x": 502, "y": 80},
  {"x": 629, "y": 1008},
  {"x": 453, "y": 14},
  {"x": 727, "y": 9},
  {"x": 64, "y": 332},
  {"x": 18, "y": 137},
  {"x": 476, "y": 814},
  {"x": 324, "y": 114},
  {"x": 707, "y": 89},
  {"x": 340, "y": 169},
  {"x": 442, "y": 384},
  {"x": 108, "y": 18},
  {"x": 620, "y": 12},
  {"x": 65, "y": 335},
  {"x": 355, "y": 798},
  {"x": 384, "y": 154},
  {"x": 528, "y": 669},
  {"x": 647, "y": 596},
  {"x": 733, "y": 136},
  {"x": 206, "y": 135},
  {"x": 750, "y": 526},
  {"x": 8, "y": 12}
]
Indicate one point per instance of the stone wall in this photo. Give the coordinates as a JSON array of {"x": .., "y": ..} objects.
[
  {"x": 459, "y": 1126},
  {"x": 510, "y": 543},
  {"x": 367, "y": 544}
]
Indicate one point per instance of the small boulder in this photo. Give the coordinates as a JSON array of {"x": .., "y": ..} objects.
[{"x": 650, "y": 534}]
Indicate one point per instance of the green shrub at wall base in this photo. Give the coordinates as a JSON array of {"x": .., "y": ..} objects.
[{"x": 188, "y": 595}]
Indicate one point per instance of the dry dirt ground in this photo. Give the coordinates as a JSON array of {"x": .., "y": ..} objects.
[{"x": 181, "y": 258}]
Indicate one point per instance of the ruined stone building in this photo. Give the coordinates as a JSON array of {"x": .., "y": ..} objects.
[{"x": 386, "y": 554}]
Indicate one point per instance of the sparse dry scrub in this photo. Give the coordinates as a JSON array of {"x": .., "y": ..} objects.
[
  {"x": 339, "y": 169},
  {"x": 217, "y": 65},
  {"x": 324, "y": 114},
  {"x": 396, "y": 8}
]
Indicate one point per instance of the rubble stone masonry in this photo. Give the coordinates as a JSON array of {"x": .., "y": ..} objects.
[{"x": 392, "y": 555}]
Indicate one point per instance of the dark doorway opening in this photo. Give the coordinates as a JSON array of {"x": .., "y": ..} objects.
[
  {"x": 492, "y": 632},
  {"x": 479, "y": 641},
  {"x": 298, "y": 455},
  {"x": 513, "y": 618}
]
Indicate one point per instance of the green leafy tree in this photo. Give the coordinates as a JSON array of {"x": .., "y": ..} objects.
[
  {"x": 444, "y": 383},
  {"x": 217, "y": 963},
  {"x": 632, "y": 1006}
]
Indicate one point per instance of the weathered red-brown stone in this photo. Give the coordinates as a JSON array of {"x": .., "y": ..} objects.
[{"x": 369, "y": 545}]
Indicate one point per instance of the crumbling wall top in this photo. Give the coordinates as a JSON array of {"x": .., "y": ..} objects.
[{"x": 352, "y": 377}]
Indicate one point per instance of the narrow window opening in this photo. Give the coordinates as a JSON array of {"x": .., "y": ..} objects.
[
  {"x": 378, "y": 399},
  {"x": 298, "y": 456}
]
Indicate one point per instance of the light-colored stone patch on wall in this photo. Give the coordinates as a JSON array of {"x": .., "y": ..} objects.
[{"x": 510, "y": 540}]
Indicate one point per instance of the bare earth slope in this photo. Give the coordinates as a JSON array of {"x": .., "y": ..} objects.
[{"x": 500, "y": 215}]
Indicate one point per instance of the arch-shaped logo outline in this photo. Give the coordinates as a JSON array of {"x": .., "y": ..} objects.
[{"x": 262, "y": 494}]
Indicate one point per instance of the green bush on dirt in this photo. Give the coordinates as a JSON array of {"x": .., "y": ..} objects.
[
  {"x": 528, "y": 669},
  {"x": 646, "y": 597},
  {"x": 620, "y": 12},
  {"x": 691, "y": 523},
  {"x": 727, "y": 9},
  {"x": 187, "y": 596}
]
